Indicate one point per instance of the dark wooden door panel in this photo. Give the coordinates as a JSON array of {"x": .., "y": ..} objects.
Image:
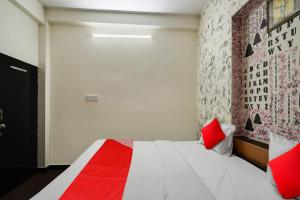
[{"x": 18, "y": 113}]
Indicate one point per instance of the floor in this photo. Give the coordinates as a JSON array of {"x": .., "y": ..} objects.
[{"x": 33, "y": 185}]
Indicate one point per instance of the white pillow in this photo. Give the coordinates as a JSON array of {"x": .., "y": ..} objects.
[
  {"x": 225, "y": 146},
  {"x": 278, "y": 146}
]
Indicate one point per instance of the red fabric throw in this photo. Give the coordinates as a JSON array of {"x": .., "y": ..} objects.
[
  {"x": 212, "y": 134},
  {"x": 105, "y": 175},
  {"x": 285, "y": 170}
]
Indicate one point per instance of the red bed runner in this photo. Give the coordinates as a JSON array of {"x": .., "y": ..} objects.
[{"x": 104, "y": 176}]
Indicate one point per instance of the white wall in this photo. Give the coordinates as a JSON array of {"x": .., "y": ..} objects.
[
  {"x": 19, "y": 38},
  {"x": 32, "y": 8},
  {"x": 147, "y": 88},
  {"x": 19, "y": 35},
  {"x": 44, "y": 92}
]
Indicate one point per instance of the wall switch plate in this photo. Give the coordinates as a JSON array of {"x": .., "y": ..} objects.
[{"x": 92, "y": 97}]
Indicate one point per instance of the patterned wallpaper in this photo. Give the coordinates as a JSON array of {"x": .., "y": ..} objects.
[
  {"x": 214, "y": 60},
  {"x": 215, "y": 77},
  {"x": 266, "y": 75}
]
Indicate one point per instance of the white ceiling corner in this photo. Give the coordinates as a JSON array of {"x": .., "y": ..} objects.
[{"x": 189, "y": 7}]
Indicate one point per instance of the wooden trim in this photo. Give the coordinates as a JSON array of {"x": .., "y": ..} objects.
[
  {"x": 286, "y": 19},
  {"x": 255, "y": 152}
]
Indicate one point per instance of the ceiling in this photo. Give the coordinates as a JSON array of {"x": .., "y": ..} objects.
[{"x": 192, "y": 7}]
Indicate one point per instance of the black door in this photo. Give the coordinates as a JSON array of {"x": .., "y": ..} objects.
[{"x": 18, "y": 114}]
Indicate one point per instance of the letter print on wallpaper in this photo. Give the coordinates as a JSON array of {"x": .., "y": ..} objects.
[{"x": 266, "y": 71}]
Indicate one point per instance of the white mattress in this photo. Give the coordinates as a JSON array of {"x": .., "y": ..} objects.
[{"x": 164, "y": 170}]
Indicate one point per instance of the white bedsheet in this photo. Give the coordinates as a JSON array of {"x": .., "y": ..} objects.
[
  {"x": 159, "y": 172},
  {"x": 146, "y": 173},
  {"x": 164, "y": 170},
  {"x": 228, "y": 178}
]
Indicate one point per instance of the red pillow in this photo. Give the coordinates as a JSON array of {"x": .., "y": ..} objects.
[
  {"x": 212, "y": 134},
  {"x": 286, "y": 173}
]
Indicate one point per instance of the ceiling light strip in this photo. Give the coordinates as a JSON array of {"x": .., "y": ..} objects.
[{"x": 121, "y": 36}]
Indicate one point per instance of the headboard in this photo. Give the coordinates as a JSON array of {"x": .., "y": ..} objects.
[{"x": 253, "y": 151}]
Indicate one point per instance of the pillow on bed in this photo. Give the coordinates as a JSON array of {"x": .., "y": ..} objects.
[
  {"x": 285, "y": 170},
  {"x": 212, "y": 134},
  {"x": 225, "y": 146},
  {"x": 278, "y": 146}
]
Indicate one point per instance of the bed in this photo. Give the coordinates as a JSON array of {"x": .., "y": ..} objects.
[{"x": 165, "y": 170}]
